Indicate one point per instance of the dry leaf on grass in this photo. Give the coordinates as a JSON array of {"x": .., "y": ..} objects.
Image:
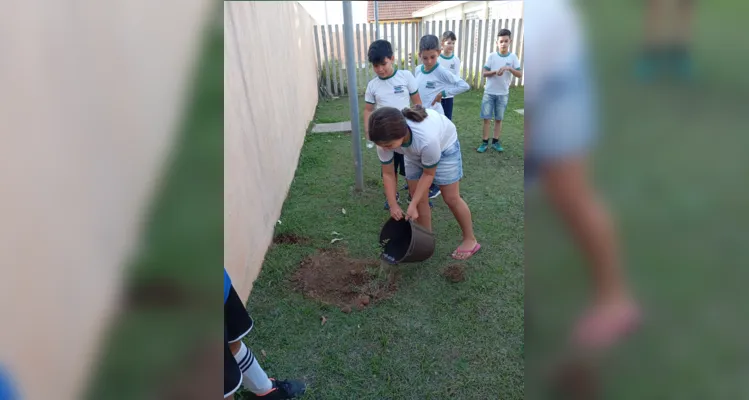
[
  {"x": 335, "y": 240},
  {"x": 324, "y": 320}
]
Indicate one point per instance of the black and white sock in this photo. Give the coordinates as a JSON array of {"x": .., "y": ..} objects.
[{"x": 254, "y": 377}]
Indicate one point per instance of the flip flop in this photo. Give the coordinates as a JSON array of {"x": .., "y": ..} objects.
[{"x": 470, "y": 253}]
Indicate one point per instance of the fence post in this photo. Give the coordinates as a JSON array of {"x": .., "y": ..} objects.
[{"x": 353, "y": 93}]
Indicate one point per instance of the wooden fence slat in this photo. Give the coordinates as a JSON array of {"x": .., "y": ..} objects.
[
  {"x": 400, "y": 46},
  {"x": 317, "y": 51},
  {"x": 341, "y": 61},
  {"x": 479, "y": 49},
  {"x": 521, "y": 50},
  {"x": 327, "y": 63},
  {"x": 461, "y": 49},
  {"x": 472, "y": 51},
  {"x": 439, "y": 32},
  {"x": 492, "y": 45},
  {"x": 406, "y": 43},
  {"x": 482, "y": 54},
  {"x": 514, "y": 47},
  {"x": 358, "y": 47},
  {"x": 333, "y": 60}
]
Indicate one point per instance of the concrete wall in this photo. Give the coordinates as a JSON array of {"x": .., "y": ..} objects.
[
  {"x": 87, "y": 125},
  {"x": 270, "y": 95}
]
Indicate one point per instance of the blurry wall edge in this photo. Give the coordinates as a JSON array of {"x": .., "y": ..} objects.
[
  {"x": 270, "y": 95},
  {"x": 87, "y": 127}
]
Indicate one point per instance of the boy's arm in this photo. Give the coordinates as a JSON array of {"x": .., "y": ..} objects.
[
  {"x": 488, "y": 72},
  {"x": 413, "y": 89},
  {"x": 457, "y": 85},
  {"x": 368, "y": 109}
]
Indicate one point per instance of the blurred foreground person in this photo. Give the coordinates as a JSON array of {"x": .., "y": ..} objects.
[{"x": 560, "y": 131}]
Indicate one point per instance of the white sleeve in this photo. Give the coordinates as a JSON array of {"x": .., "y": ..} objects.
[
  {"x": 488, "y": 65},
  {"x": 516, "y": 63},
  {"x": 413, "y": 87},
  {"x": 386, "y": 156},
  {"x": 457, "y": 66},
  {"x": 455, "y": 84},
  {"x": 369, "y": 96}
]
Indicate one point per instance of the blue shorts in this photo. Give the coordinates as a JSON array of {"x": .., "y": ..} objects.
[
  {"x": 493, "y": 106},
  {"x": 449, "y": 169},
  {"x": 562, "y": 121}
]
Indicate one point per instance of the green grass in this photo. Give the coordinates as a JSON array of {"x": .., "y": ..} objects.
[{"x": 434, "y": 339}]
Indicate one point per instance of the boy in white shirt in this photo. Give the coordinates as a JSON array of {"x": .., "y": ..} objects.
[
  {"x": 499, "y": 69},
  {"x": 449, "y": 60},
  {"x": 391, "y": 88},
  {"x": 435, "y": 81}
]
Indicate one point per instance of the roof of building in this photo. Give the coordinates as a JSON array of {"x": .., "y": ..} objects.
[{"x": 396, "y": 10}]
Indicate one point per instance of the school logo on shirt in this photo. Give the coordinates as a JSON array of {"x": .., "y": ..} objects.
[
  {"x": 398, "y": 89},
  {"x": 507, "y": 64},
  {"x": 431, "y": 84},
  {"x": 452, "y": 66}
]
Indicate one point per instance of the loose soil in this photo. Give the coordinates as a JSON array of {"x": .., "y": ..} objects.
[
  {"x": 289, "y": 238},
  {"x": 455, "y": 273},
  {"x": 331, "y": 277}
]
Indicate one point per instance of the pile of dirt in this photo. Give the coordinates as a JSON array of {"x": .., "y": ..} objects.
[
  {"x": 455, "y": 273},
  {"x": 290, "y": 238},
  {"x": 331, "y": 277}
]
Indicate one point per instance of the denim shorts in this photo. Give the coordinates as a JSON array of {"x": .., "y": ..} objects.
[
  {"x": 449, "y": 169},
  {"x": 493, "y": 106},
  {"x": 563, "y": 122}
]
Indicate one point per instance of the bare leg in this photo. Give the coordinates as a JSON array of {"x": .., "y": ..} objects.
[
  {"x": 614, "y": 311},
  {"x": 425, "y": 212},
  {"x": 459, "y": 208},
  {"x": 497, "y": 128},
  {"x": 487, "y": 124}
]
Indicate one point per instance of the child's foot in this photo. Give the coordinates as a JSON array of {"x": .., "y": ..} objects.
[
  {"x": 497, "y": 146},
  {"x": 483, "y": 147},
  {"x": 434, "y": 191},
  {"x": 397, "y": 199},
  {"x": 466, "y": 249},
  {"x": 282, "y": 390},
  {"x": 606, "y": 323}
]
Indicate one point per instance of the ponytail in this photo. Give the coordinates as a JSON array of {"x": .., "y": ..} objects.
[{"x": 415, "y": 114}]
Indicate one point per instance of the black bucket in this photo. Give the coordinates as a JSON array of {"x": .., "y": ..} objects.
[{"x": 405, "y": 241}]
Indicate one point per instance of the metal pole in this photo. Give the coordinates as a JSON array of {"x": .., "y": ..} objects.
[
  {"x": 377, "y": 22},
  {"x": 353, "y": 95}
]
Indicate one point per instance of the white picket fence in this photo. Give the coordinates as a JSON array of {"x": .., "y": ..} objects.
[{"x": 476, "y": 39}]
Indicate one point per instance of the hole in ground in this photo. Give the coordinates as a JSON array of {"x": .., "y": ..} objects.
[{"x": 332, "y": 277}]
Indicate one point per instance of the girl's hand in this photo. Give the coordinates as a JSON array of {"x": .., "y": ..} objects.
[
  {"x": 412, "y": 212},
  {"x": 396, "y": 212}
]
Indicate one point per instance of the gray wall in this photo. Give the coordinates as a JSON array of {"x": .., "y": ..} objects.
[{"x": 270, "y": 95}]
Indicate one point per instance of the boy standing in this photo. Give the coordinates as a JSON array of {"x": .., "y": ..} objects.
[
  {"x": 450, "y": 61},
  {"x": 498, "y": 70},
  {"x": 391, "y": 88}
]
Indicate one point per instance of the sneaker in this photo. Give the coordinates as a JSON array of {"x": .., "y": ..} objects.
[
  {"x": 434, "y": 191},
  {"x": 397, "y": 199},
  {"x": 282, "y": 390},
  {"x": 405, "y": 187},
  {"x": 497, "y": 146},
  {"x": 483, "y": 147}
]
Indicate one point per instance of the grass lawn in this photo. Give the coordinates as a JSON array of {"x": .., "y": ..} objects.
[{"x": 434, "y": 339}]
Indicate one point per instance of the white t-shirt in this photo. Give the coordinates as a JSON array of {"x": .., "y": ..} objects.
[
  {"x": 438, "y": 80},
  {"x": 551, "y": 61},
  {"x": 428, "y": 139},
  {"x": 500, "y": 85},
  {"x": 452, "y": 64},
  {"x": 395, "y": 91}
]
